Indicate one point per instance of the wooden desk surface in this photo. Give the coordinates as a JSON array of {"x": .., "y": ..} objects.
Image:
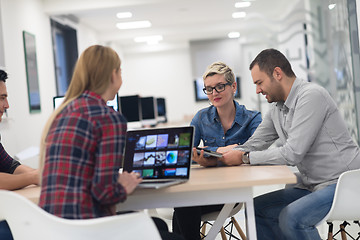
[
  {"x": 202, "y": 179},
  {"x": 235, "y": 176},
  {"x": 31, "y": 192}
]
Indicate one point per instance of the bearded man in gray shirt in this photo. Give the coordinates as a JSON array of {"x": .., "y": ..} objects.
[{"x": 313, "y": 137}]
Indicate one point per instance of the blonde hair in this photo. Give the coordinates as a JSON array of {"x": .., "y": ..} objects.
[
  {"x": 93, "y": 71},
  {"x": 220, "y": 68}
]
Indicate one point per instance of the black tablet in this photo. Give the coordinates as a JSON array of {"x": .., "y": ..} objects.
[{"x": 208, "y": 153}]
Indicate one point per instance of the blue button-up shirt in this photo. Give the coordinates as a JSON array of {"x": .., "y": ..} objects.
[{"x": 209, "y": 129}]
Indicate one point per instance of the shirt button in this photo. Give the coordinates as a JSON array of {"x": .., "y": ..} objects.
[{"x": 223, "y": 137}]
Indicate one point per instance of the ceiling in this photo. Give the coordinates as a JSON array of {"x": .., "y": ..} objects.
[{"x": 177, "y": 21}]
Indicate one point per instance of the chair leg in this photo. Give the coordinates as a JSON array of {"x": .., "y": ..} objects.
[
  {"x": 357, "y": 223},
  {"x": 238, "y": 228},
  {"x": 203, "y": 230},
  {"x": 330, "y": 231},
  {"x": 343, "y": 232},
  {"x": 223, "y": 234}
]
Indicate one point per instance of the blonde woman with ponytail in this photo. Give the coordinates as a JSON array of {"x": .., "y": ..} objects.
[{"x": 82, "y": 143}]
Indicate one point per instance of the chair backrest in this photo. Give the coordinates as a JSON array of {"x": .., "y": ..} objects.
[
  {"x": 213, "y": 215},
  {"x": 29, "y": 221},
  {"x": 346, "y": 204}
]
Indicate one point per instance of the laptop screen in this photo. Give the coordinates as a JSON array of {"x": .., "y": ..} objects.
[{"x": 159, "y": 153}]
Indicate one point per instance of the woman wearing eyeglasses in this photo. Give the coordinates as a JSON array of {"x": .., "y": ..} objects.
[
  {"x": 225, "y": 123},
  {"x": 221, "y": 126}
]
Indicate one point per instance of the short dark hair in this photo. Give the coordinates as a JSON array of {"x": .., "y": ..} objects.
[
  {"x": 3, "y": 75},
  {"x": 269, "y": 59}
]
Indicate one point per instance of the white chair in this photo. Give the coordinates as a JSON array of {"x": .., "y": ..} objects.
[
  {"x": 28, "y": 221},
  {"x": 167, "y": 213},
  {"x": 209, "y": 217},
  {"x": 346, "y": 205}
]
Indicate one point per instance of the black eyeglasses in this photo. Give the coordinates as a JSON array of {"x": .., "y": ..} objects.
[{"x": 218, "y": 88}]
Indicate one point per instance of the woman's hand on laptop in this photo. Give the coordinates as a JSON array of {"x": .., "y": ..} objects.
[
  {"x": 129, "y": 181},
  {"x": 204, "y": 161}
]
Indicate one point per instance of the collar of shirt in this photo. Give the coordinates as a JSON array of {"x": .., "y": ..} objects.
[
  {"x": 238, "y": 109},
  {"x": 93, "y": 95},
  {"x": 290, "y": 101}
]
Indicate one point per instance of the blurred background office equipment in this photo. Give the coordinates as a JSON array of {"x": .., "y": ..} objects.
[
  {"x": 57, "y": 100},
  {"x": 148, "y": 111},
  {"x": 114, "y": 103},
  {"x": 131, "y": 109},
  {"x": 161, "y": 110}
]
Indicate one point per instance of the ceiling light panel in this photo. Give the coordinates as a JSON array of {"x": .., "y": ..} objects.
[
  {"x": 133, "y": 25},
  {"x": 234, "y": 35},
  {"x": 242, "y": 4},
  {"x": 124, "y": 15},
  {"x": 154, "y": 39},
  {"x": 239, "y": 14}
]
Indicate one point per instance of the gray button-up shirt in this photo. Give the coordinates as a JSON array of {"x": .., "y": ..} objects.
[{"x": 312, "y": 135}]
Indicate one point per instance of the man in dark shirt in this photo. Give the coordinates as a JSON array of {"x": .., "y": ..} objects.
[{"x": 13, "y": 175}]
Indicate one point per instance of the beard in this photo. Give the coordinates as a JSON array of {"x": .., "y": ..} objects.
[{"x": 275, "y": 93}]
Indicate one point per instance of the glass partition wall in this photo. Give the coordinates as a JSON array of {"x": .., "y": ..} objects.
[
  {"x": 331, "y": 55},
  {"x": 321, "y": 41}
]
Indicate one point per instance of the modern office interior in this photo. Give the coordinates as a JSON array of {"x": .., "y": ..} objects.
[{"x": 163, "y": 62}]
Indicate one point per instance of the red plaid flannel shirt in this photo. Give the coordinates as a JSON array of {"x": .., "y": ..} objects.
[{"x": 83, "y": 155}]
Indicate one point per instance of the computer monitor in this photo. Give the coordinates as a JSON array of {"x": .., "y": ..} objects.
[
  {"x": 57, "y": 100},
  {"x": 161, "y": 110},
  {"x": 131, "y": 109},
  {"x": 201, "y": 96},
  {"x": 114, "y": 103},
  {"x": 148, "y": 111}
]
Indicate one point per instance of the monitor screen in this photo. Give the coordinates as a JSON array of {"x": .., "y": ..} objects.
[
  {"x": 57, "y": 100},
  {"x": 201, "y": 96},
  {"x": 161, "y": 110},
  {"x": 130, "y": 108},
  {"x": 114, "y": 103},
  {"x": 148, "y": 110}
]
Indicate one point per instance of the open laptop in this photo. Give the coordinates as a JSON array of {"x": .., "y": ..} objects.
[{"x": 162, "y": 156}]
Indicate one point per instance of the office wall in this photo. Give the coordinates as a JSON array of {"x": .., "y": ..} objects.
[
  {"x": 170, "y": 74},
  {"x": 205, "y": 52},
  {"x": 162, "y": 74},
  {"x": 2, "y": 58},
  {"x": 20, "y": 129}
]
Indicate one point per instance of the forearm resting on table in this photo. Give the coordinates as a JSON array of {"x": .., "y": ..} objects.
[
  {"x": 23, "y": 169},
  {"x": 16, "y": 181}
]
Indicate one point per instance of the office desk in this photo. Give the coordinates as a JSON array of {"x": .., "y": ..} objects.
[
  {"x": 31, "y": 192},
  {"x": 209, "y": 186},
  {"x": 222, "y": 185}
]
